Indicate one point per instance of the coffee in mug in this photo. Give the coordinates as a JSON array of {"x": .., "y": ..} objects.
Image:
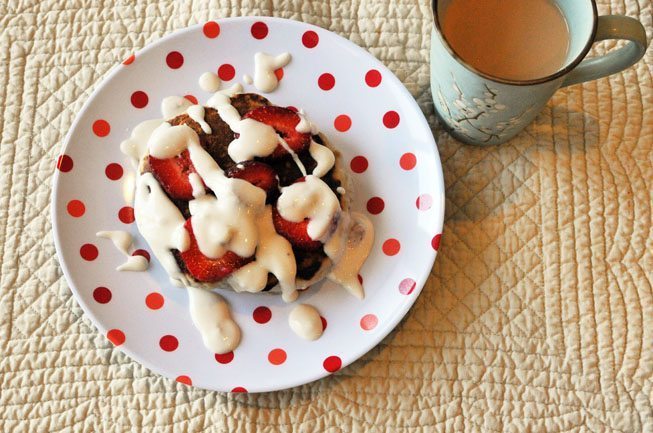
[{"x": 513, "y": 39}]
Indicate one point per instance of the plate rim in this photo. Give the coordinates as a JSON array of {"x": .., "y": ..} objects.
[{"x": 398, "y": 314}]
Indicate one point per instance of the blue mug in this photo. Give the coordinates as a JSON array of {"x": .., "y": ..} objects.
[{"x": 481, "y": 109}]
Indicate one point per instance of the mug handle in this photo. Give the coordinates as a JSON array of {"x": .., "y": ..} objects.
[{"x": 611, "y": 27}]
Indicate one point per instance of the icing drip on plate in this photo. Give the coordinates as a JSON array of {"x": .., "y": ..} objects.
[
  {"x": 265, "y": 79},
  {"x": 305, "y": 321},
  {"x": 123, "y": 242},
  {"x": 211, "y": 316},
  {"x": 210, "y": 82}
]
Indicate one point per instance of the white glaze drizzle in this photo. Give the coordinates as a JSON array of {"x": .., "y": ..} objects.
[
  {"x": 211, "y": 316},
  {"x": 197, "y": 184},
  {"x": 161, "y": 224},
  {"x": 136, "y": 145},
  {"x": 305, "y": 125},
  {"x": 196, "y": 112},
  {"x": 210, "y": 82},
  {"x": 226, "y": 221},
  {"x": 123, "y": 242},
  {"x": 340, "y": 190},
  {"x": 265, "y": 79},
  {"x": 173, "y": 106},
  {"x": 294, "y": 156},
  {"x": 312, "y": 199},
  {"x": 323, "y": 156},
  {"x": 305, "y": 321},
  {"x": 274, "y": 255},
  {"x": 168, "y": 141},
  {"x": 359, "y": 244},
  {"x": 255, "y": 139}
]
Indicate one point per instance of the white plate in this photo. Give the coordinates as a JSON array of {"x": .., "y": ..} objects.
[{"x": 402, "y": 165}]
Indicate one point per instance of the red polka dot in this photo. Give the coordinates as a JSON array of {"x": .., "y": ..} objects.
[
  {"x": 88, "y": 252},
  {"x": 407, "y": 161},
  {"x": 391, "y": 119},
  {"x": 224, "y": 358},
  {"x": 358, "y": 164},
  {"x": 191, "y": 98},
  {"x": 64, "y": 163},
  {"x": 310, "y": 39},
  {"x": 76, "y": 208},
  {"x": 369, "y": 322},
  {"x": 406, "y": 286},
  {"x": 126, "y": 214},
  {"x": 142, "y": 253},
  {"x": 326, "y": 81},
  {"x": 238, "y": 389},
  {"x": 277, "y": 356},
  {"x": 391, "y": 247},
  {"x": 226, "y": 72},
  {"x": 129, "y": 60},
  {"x": 169, "y": 343},
  {"x": 186, "y": 380},
  {"x": 116, "y": 336},
  {"x": 113, "y": 171},
  {"x": 435, "y": 242},
  {"x": 424, "y": 202},
  {"x": 101, "y": 128},
  {"x": 259, "y": 30},
  {"x": 373, "y": 78},
  {"x": 262, "y": 315},
  {"x": 324, "y": 323},
  {"x": 175, "y": 60},
  {"x": 292, "y": 108},
  {"x": 332, "y": 364},
  {"x": 375, "y": 205},
  {"x": 154, "y": 301},
  {"x": 211, "y": 29},
  {"x": 102, "y": 295},
  {"x": 278, "y": 73},
  {"x": 139, "y": 99},
  {"x": 342, "y": 123}
]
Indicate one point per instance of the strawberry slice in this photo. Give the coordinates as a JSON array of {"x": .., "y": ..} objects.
[
  {"x": 296, "y": 233},
  {"x": 208, "y": 270},
  {"x": 284, "y": 122},
  {"x": 258, "y": 174},
  {"x": 172, "y": 174}
]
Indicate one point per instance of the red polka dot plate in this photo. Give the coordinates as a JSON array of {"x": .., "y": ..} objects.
[{"x": 367, "y": 114}]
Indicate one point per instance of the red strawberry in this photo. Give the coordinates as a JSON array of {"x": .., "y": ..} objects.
[
  {"x": 284, "y": 122},
  {"x": 172, "y": 174},
  {"x": 296, "y": 233},
  {"x": 208, "y": 270},
  {"x": 258, "y": 174}
]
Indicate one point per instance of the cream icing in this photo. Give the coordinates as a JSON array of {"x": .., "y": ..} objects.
[
  {"x": 305, "y": 321},
  {"x": 265, "y": 79}
]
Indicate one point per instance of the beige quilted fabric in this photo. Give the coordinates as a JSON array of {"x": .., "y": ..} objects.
[{"x": 538, "y": 315}]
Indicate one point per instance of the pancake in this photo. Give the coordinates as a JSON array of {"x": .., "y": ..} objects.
[{"x": 312, "y": 266}]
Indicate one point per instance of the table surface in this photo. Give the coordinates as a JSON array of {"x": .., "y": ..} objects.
[{"x": 538, "y": 314}]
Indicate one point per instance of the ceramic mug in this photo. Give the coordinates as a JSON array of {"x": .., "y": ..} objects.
[{"x": 478, "y": 108}]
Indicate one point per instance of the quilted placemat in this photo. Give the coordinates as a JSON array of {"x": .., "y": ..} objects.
[{"x": 538, "y": 315}]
